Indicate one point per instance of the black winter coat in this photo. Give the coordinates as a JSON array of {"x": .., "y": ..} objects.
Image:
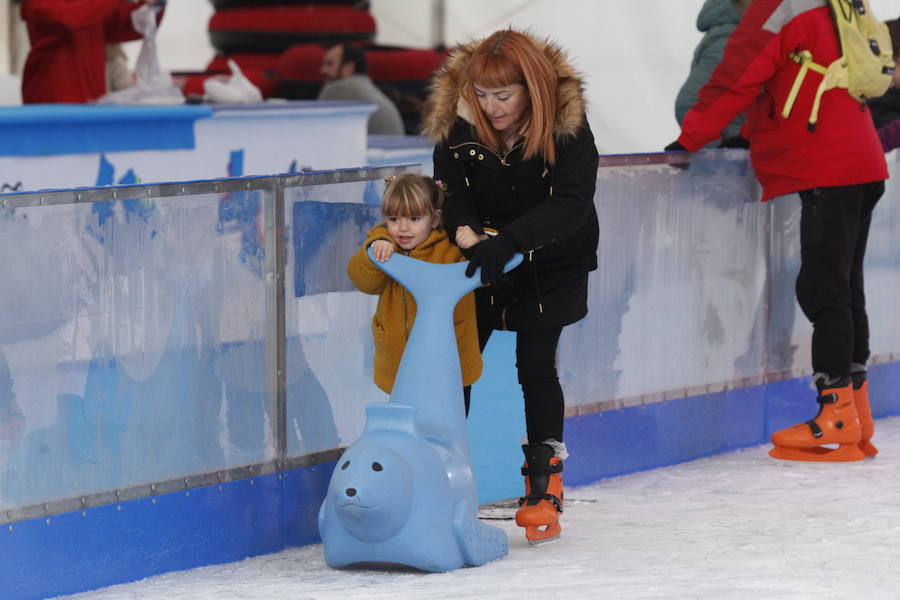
[{"x": 546, "y": 210}]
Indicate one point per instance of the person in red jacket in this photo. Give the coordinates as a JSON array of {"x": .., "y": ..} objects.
[
  {"x": 67, "y": 60},
  {"x": 838, "y": 171}
]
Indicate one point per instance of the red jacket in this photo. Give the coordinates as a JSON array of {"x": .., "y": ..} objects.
[
  {"x": 756, "y": 75},
  {"x": 67, "y": 61}
]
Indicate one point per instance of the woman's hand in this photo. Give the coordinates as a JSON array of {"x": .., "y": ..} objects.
[
  {"x": 466, "y": 237},
  {"x": 491, "y": 255},
  {"x": 382, "y": 250}
]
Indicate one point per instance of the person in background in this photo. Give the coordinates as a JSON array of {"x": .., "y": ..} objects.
[
  {"x": 118, "y": 73},
  {"x": 837, "y": 169},
  {"x": 517, "y": 157},
  {"x": 889, "y": 135},
  {"x": 886, "y": 108},
  {"x": 717, "y": 19},
  {"x": 344, "y": 71},
  {"x": 67, "y": 60},
  {"x": 411, "y": 207}
]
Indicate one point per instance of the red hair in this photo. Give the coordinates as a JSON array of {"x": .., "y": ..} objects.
[{"x": 508, "y": 57}]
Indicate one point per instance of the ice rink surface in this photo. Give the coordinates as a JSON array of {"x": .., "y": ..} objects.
[{"x": 733, "y": 526}]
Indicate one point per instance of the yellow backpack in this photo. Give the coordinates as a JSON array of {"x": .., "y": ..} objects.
[{"x": 866, "y": 66}]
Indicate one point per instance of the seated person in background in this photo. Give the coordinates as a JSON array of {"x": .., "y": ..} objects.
[
  {"x": 118, "y": 73},
  {"x": 344, "y": 70},
  {"x": 886, "y": 108},
  {"x": 717, "y": 19},
  {"x": 67, "y": 60}
]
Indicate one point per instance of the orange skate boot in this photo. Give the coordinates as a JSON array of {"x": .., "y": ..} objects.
[
  {"x": 836, "y": 423},
  {"x": 866, "y": 423},
  {"x": 539, "y": 510}
]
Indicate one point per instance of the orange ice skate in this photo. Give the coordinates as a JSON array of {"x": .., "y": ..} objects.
[
  {"x": 866, "y": 423},
  {"x": 836, "y": 423},
  {"x": 542, "y": 504}
]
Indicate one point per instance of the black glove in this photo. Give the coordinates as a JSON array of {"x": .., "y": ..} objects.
[
  {"x": 735, "y": 141},
  {"x": 675, "y": 147},
  {"x": 491, "y": 255}
]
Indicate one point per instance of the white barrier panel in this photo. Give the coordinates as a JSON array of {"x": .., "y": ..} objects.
[{"x": 66, "y": 146}]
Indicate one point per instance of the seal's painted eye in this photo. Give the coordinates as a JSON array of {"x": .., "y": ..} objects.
[
  {"x": 345, "y": 465},
  {"x": 377, "y": 466}
]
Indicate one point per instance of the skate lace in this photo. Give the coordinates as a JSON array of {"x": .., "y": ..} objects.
[{"x": 556, "y": 502}]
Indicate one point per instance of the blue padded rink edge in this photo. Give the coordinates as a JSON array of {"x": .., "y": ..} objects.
[
  {"x": 45, "y": 129},
  {"x": 86, "y": 550}
]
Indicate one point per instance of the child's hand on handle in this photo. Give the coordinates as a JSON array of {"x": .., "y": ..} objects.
[
  {"x": 466, "y": 237},
  {"x": 382, "y": 250}
]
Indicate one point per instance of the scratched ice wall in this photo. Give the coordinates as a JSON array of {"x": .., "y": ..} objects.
[
  {"x": 680, "y": 289},
  {"x": 328, "y": 322},
  {"x": 128, "y": 337},
  {"x": 695, "y": 289}
]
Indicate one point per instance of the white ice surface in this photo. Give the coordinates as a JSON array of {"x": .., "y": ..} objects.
[{"x": 734, "y": 526}]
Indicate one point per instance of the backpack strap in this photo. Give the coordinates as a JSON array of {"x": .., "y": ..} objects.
[
  {"x": 805, "y": 60},
  {"x": 835, "y": 75}
]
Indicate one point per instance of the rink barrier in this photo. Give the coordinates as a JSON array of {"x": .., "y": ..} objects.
[
  {"x": 160, "y": 488},
  {"x": 128, "y": 532},
  {"x": 284, "y": 459},
  {"x": 707, "y": 389}
]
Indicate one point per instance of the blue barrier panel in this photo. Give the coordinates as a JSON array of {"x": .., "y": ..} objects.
[
  {"x": 77, "y": 128},
  {"x": 125, "y": 541}
]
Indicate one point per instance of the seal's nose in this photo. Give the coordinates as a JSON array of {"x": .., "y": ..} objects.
[{"x": 350, "y": 492}]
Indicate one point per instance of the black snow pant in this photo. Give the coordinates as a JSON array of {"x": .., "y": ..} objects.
[
  {"x": 834, "y": 230},
  {"x": 536, "y": 365}
]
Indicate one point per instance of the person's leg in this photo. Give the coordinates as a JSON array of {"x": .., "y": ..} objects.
[
  {"x": 861, "y": 322},
  {"x": 544, "y": 403},
  {"x": 829, "y": 231},
  {"x": 860, "y": 350},
  {"x": 539, "y": 509}
]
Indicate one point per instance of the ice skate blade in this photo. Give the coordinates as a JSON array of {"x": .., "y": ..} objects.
[
  {"x": 537, "y": 536},
  {"x": 868, "y": 449},
  {"x": 843, "y": 453},
  {"x": 543, "y": 541}
]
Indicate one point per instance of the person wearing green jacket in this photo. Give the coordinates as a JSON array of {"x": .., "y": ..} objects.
[{"x": 717, "y": 19}]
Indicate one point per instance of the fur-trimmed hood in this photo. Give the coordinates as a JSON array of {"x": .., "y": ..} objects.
[{"x": 445, "y": 103}]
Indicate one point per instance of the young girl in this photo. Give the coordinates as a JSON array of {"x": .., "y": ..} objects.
[{"x": 412, "y": 210}]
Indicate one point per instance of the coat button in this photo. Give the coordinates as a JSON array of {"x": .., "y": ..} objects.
[
  {"x": 471, "y": 153},
  {"x": 481, "y": 157}
]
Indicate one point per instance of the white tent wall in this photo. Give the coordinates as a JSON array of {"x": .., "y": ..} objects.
[
  {"x": 9, "y": 93},
  {"x": 634, "y": 54},
  {"x": 5, "y": 25}
]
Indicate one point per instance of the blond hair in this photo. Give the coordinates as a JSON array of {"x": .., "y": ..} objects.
[
  {"x": 509, "y": 57},
  {"x": 412, "y": 195}
]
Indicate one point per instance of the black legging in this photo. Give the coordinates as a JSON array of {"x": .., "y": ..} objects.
[
  {"x": 834, "y": 229},
  {"x": 536, "y": 365}
]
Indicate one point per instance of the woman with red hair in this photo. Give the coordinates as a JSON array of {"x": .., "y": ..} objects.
[{"x": 519, "y": 165}]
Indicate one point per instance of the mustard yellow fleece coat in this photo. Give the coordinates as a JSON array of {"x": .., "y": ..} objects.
[{"x": 396, "y": 310}]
